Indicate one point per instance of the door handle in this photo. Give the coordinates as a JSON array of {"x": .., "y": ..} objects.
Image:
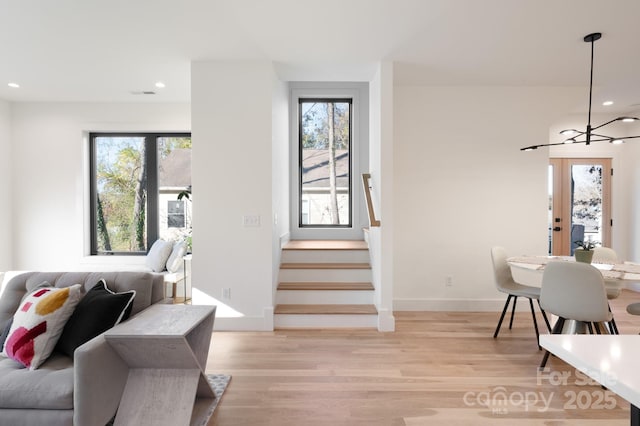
[{"x": 557, "y": 228}]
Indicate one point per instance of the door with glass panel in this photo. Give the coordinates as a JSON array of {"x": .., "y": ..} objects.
[{"x": 579, "y": 203}]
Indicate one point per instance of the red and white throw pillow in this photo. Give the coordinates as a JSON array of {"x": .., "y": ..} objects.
[{"x": 38, "y": 323}]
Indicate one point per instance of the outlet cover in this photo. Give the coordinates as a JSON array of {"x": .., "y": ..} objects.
[{"x": 251, "y": 220}]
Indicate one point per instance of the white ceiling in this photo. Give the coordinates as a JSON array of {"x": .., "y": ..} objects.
[{"x": 91, "y": 50}]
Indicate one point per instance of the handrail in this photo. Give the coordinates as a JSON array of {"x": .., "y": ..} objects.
[{"x": 367, "y": 194}]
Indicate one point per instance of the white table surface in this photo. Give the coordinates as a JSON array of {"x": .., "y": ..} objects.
[
  {"x": 622, "y": 275},
  {"x": 611, "y": 360}
]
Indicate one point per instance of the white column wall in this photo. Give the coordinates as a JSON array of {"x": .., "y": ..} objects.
[
  {"x": 381, "y": 245},
  {"x": 50, "y": 173},
  {"x": 232, "y": 176},
  {"x": 626, "y": 226},
  {"x": 461, "y": 186},
  {"x": 280, "y": 174},
  {"x": 5, "y": 188}
]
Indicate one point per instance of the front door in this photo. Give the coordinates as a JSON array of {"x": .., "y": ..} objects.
[{"x": 579, "y": 203}]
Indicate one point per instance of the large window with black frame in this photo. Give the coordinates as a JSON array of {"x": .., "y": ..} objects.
[
  {"x": 325, "y": 162},
  {"x": 140, "y": 191}
]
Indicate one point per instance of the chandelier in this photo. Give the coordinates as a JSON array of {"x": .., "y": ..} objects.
[{"x": 588, "y": 135}]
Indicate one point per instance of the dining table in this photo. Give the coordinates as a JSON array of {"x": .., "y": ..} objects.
[
  {"x": 616, "y": 276},
  {"x": 528, "y": 269}
]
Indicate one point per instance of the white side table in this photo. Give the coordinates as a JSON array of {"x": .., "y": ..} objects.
[{"x": 166, "y": 348}]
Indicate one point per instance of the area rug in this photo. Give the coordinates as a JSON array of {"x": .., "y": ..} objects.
[{"x": 219, "y": 383}]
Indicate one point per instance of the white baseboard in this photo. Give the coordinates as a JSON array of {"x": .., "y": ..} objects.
[
  {"x": 386, "y": 320},
  {"x": 284, "y": 239},
  {"x": 245, "y": 323},
  {"x": 458, "y": 305}
]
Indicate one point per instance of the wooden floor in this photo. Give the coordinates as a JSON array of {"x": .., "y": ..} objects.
[{"x": 437, "y": 368}]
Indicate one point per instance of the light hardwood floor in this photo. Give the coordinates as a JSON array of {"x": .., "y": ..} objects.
[{"x": 437, "y": 368}]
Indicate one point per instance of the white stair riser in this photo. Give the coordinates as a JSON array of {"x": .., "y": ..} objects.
[
  {"x": 324, "y": 297},
  {"x": 327, "y": 256},
  {"x": 325, "y": 275},
  {"x": 325, "y": 321}
]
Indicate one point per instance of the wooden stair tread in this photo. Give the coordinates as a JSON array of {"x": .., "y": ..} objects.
[
  {"x": 325, "y": 286},
  {"x": 326, "y": 309},
  {"x": 320, "y": 265},
  {"x": 326, "y": 245}
]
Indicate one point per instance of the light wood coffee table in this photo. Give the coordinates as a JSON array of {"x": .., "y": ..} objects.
[{"x": 166, "y": 348}]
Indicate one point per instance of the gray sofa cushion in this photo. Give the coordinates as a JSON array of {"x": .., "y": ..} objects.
[
  {"x": 49, "y": 387},
  {"x": 118, "y": 282}
]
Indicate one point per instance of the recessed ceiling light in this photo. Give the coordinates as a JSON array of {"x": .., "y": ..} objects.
[
  {"x": 14, "y": 85},
  {"x": 160, "y": 85},
  {"x": 607, "y": 103}
]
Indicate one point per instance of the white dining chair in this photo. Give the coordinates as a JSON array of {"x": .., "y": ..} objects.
[
  {"x": 608, "y": 255},
  {"x": 634, "y": 308},
  {"x": 604, "y": 255},
  {"x": 506, "y": 284},
  {"x": 575, "y": 291}
]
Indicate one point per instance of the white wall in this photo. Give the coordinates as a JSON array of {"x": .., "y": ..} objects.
[
  {"x": 49, "y": 172},
  {"x": 626, "y": 202},
  {"x": 5, "y": 187},
  {"x": 280, "y": 174},
  {"x": 448, "y": 177},
  {"x": 461, "y": 186},
  {"x": 232, "y": 176},
  {"x": 382, "y": 177}
]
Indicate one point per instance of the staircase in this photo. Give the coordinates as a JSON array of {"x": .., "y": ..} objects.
[{"x": 325, "y": 284}]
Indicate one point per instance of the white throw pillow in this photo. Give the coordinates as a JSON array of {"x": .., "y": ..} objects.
[
  {"x": 174, "y": 263},
  {"x": 38, "y": 323},
  {"x": 158, "y": 255}
]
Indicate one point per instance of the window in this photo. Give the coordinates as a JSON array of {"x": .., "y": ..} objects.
[
  {"x": 325, "y": 162},
  {"x": 318, "y": 188},
  {"x": 175, "y": 214},
  {"x": 135, "y": 183}
]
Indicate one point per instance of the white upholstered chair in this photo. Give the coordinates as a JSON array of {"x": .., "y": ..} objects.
[
  {"x": 575, "y": 291},
  {"x": 634, "y": 308},
  {"x": 608, "y": 255},
  {"x": 506, "y": 284},
  {"x": 604, "y": 255}
]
